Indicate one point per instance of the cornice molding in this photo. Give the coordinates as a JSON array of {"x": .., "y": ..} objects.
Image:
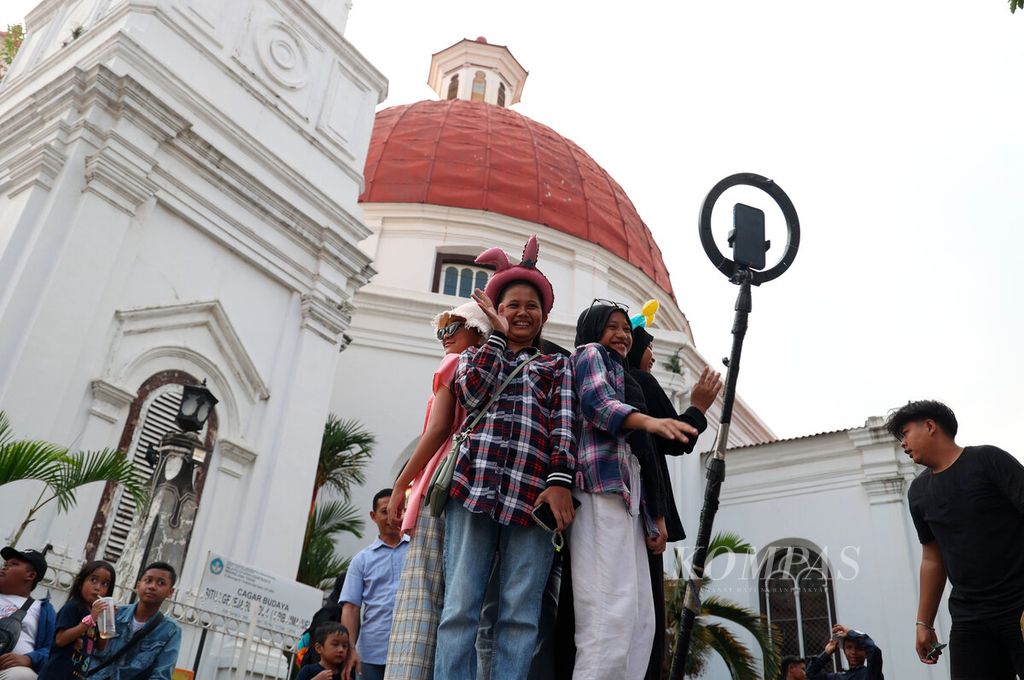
[
  {"x": 324, "y": 318},
  {"x": 208, "y": 315},
  {"x": 883, "y": 490},
  {"x": 121, "y": 185},
  {"x": 109, "y": 400},
  {"x": 37, "y": 166},
  {"x": 237, "y": 451}
]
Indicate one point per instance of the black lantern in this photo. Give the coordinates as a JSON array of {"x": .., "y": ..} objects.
[{"x": 196, "y": 404}]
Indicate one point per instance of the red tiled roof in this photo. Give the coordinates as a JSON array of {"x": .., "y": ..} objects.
[{"x": 483, "y": 157}]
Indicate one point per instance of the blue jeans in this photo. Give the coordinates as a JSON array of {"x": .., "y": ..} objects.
[
  {"x": 470, "y": 545},
  {"x": 544, "y": 665}
]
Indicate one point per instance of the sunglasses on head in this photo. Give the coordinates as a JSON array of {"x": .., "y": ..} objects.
[
  {"x": 449, "y": 330},
  {"x": 601, "y": 301}
]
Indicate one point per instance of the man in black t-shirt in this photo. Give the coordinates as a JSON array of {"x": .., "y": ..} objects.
[{"x": 968, "y": 509}]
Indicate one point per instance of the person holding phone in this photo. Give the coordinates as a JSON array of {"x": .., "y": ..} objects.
[
  {"x": 863, "y": 657},
  {"x": 609, "y": 543},
  {"x": 519, "y": 456},
  {"x": 968, "y": 510}
]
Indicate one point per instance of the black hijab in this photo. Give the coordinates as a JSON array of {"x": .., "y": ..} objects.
[
  {"x": 590, "y": 328},
  {"x": 641, "y": 341}
]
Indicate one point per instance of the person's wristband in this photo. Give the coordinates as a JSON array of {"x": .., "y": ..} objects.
[
  {"x": 922, "y": 623},
  {"x": 87, "y": 620}
]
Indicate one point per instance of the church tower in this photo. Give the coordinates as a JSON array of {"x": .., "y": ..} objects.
[{"x": 475, "y": 70}]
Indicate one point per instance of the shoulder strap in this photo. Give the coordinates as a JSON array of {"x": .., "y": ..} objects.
[
  {"x": 22, "y": 610},
  {"x": 480, "y": 414},
  {"x": 153, "y": 622}
]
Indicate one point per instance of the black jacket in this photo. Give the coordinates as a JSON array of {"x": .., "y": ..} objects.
[
  {"x": 660, "y": 406},
  {"x": 871, "y": 670}
]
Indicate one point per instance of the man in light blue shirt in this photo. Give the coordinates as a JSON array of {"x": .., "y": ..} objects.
[{"x": 370, "y": 588}]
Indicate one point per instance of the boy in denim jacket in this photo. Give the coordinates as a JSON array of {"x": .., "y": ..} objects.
[{"x": 154, "y": 655}]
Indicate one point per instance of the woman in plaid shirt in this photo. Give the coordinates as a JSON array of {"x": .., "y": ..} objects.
[
  {"x": 519, "y": 456},
  {"x": 611, "y": 581}
]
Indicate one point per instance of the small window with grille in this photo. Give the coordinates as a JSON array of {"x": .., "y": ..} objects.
[
  {"x": 453, "y": 87},
  {"x": 479, "y": 87},
  {"x": 501, "y": 94},
  {"x": 459, "y": 275},
  {"x": 795, "y": 586}
]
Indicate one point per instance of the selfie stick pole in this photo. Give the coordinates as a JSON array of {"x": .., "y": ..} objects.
[{"x": 743, "y": 276}]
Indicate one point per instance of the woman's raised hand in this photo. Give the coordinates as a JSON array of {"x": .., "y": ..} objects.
[{"x": 498, "y": 322}]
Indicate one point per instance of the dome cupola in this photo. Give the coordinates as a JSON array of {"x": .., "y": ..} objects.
[{"x": 476, "y": 71}]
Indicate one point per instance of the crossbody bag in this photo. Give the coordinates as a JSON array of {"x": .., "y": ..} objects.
[
  {"x": 153, "y": 622},
  {"x": 10, "y": 627},
  {"x": 440, "y": 486}
]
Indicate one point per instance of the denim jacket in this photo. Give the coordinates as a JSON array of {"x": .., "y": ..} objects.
[
  {"x": 152, "y": 658},
  {"x": 45, "y": 630}
]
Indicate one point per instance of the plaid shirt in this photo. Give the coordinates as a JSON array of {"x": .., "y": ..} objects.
[
  {"x": 525, "y": 441},
  {"x": 603, "y": 452}
]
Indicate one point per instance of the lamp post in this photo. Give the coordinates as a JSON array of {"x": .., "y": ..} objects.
[
  {"x": 746, "y": 269},
  {"x": 173, "y": 503}
]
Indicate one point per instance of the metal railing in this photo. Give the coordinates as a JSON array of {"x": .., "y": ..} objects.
[{"x": 213, "y": 646}]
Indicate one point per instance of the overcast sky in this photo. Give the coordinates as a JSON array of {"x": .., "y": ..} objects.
[{"x": 894, "y": 126}]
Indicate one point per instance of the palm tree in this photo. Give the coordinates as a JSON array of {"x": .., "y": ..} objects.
[
  {"x": 712, "y": 637},
  {"x": 319, "y": 564},
  {"x": 61, "y": 472},
  {"x": 345, "y": 450}
]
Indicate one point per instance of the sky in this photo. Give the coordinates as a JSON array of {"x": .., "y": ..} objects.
[{"x": 894, "y": 127}]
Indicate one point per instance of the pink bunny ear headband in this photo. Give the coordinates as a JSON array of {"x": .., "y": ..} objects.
[{"x": 526, "y": 270}]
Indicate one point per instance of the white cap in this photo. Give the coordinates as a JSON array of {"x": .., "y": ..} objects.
[{"x": 471, "y": 312}]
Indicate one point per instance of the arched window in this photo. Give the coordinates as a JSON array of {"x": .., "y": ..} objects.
[
  {"x": 479, "y": 87},
  {"x": 453, "y": 87},
  {"x": 150, "y": 417},
  {"x": 501, "y": 94},
  {"x": 459, "y": 275},
  {"x": 795, "y": 586},
  {"x": 451, "y": 280}
]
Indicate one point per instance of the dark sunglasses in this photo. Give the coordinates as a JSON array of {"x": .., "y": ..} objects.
[
  {"x": 601, "y": 301},
  {"x": 449, "y": 330}
]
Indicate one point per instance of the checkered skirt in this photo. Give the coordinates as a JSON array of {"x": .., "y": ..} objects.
[{"x": 418, "y": 604}]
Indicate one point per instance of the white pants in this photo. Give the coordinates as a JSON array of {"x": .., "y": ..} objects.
[
  {"x": 18, "y": 673},
  {"x": 611, "y": 588}
]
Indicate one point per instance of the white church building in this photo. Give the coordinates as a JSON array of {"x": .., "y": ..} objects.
[
  {"x": 191, "y": 192},
  {"x": 448, "y": 178}
]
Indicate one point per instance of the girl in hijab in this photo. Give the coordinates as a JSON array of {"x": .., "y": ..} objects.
[
  {"x": 609, "y": 542},
  {"x": 640, "y": 361},
  {"x": 421, "y": 586}
]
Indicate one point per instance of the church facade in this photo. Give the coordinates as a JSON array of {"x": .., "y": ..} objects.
[
  {"x": 190, "y": 193},
  {"x": 448, "y": 178},
  {"x": 178, "y": 204}
]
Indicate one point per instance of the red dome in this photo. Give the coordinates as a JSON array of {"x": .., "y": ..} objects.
[{"x": 484, "y": 157}]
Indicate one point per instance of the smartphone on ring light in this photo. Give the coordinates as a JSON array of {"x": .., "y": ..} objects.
[{"x": 545, "y": 517}]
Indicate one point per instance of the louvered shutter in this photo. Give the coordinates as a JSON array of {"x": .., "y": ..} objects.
[{"x": 159, "y": 421}]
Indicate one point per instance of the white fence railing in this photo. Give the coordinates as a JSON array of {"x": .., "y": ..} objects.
[{"x": 213, "y": 646}]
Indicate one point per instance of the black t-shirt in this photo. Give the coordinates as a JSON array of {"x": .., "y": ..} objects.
[
  {"x": 70, "y": 661},
  {"x": 313, "y": 670},
  {"x": 975, "y": 510}
]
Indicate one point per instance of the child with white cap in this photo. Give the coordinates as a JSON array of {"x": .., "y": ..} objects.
[{"x": 421, "y": 587}]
